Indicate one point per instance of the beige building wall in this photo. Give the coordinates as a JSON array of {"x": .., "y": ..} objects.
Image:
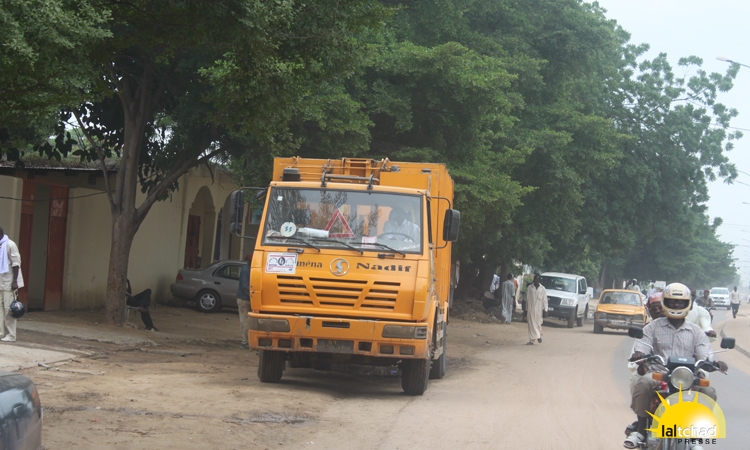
[
  {"x": 10, "y": 210},
  {"x": 158, "y": 250},
  {"x": 87, "y": 249}
]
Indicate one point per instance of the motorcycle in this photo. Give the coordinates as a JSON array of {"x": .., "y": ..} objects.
[{"x": 680, "y": 374}]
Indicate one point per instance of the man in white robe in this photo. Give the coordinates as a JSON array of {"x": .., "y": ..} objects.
[
  {"x": 508, "y": 291},
  {"x": 10, "y": 281},
  {"x": 536, "y": 309}
]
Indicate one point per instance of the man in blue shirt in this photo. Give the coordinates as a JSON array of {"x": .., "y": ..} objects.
[{"x": 243, "y": 299}]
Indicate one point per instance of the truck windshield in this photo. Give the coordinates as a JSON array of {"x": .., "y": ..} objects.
[
  {"x": 558, "y": 283},
  {"x": 330, "y": 218}
]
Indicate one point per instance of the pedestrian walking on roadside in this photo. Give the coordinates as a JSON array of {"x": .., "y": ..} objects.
[
  {"x": 508, "y": 299},
  {"x": 536, "y": 309},
  {"x": 734, "y": 300},
  {"x": 243, "y": 300},
  {"x": 11, "y": 280}
]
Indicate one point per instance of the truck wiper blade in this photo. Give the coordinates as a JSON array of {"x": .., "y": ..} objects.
[
  {"x": 385, "y": 247},
  {"x": 294, "y": 239},
  {"x": 338, "y": 242}
]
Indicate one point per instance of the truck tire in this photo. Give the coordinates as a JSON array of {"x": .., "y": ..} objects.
[
  {"x": 415, "y": 374},
  {"x": 572, "y": 318},
  {"x": 598, "y": 328},
  {"x": 437, "y": 371},
  {"x": 270, "y": 366},
  {"x": 580, "y": 320}
]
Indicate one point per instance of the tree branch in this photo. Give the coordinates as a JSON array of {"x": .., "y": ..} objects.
[
  {"x": 178, "y": 170},
  {"x": 100, "y": 153}
]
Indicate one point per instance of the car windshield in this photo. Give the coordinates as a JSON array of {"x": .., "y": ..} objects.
[
  {"x": 331, "y": 218},
  {"x": 558, "y": 283},
  {"x": 720, "y": 291},
  {"x": 620, "y": 298}
]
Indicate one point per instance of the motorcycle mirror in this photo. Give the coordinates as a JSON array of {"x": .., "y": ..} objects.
[
  {"x": 727, "y": 342},
  {"x": 636, "y": 332}
]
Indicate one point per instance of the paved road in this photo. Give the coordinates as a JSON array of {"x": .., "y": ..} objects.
[{"x": 571, "y": 392}]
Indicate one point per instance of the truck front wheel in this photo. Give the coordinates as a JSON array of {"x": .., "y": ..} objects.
[
  {"x": 270, "y": 366},
  {"x": 414, "y": 376}
]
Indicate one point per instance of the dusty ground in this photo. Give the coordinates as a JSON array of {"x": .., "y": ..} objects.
[{"x": 191, "y": 386}]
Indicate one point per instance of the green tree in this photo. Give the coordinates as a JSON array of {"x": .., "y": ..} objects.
[
  {"x": 178, "y": 84},
  {"x": 43, "y": 65}
]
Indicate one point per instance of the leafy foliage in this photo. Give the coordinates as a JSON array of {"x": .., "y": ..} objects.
[{"x": 569, "y": 150}]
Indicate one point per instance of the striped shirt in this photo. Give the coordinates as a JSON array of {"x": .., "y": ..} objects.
[{"x": 688, "y": 340}]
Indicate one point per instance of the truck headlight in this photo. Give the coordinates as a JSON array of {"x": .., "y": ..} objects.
[
  {"x": 568, "y": 301},
  {"x": 404, "y": 332},
  {"x": 269, "y": 325},
  {"x": 601, "y": 315}
]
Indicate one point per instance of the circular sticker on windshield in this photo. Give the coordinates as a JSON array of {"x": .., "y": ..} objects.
[{"x": 288, "y": 229}]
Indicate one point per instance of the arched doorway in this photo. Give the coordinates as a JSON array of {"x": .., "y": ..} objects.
[{"x": 199, "y": 242}]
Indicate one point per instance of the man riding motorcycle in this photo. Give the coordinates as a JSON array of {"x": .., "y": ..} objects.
[{"x": 670, "y": 335}]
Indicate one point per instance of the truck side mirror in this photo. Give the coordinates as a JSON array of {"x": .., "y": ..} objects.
[
  {"x": 236, "y": 211},
  {"x": 451, "y": 224}
]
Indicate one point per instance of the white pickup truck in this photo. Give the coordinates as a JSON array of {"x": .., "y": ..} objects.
[{"x": 568, "y": 297}]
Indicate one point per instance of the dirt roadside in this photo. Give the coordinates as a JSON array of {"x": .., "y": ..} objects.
[{"x": 191, "y": 386}]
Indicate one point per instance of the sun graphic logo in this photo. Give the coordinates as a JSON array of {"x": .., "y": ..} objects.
[{"x": 688, "y": 415}]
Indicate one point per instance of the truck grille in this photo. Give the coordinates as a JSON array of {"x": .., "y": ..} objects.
[
  {"x": 554, "y": 301},
  {"x": 337, "y": 293}
]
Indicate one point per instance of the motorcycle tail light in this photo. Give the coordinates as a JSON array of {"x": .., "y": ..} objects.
[
  {"x": 703, "y": 382},
  {"x": 657, "y": 376}
]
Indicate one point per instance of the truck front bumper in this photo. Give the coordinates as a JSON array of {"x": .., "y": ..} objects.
[{"x": 335, "y": 335}]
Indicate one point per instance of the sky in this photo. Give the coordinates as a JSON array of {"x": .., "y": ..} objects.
[{"x": 707, "y": 29}]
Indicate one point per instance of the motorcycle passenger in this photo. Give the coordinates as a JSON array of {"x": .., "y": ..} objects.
[
  {"x": 670, "y": 335},
  {"x": 701, "y": 317}
]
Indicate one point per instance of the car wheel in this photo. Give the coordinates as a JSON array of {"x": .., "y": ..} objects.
[
  {"x": 208, "y": 301},
  {"x": 580, "y": 320},
  {"x": 598, "y": 328}
]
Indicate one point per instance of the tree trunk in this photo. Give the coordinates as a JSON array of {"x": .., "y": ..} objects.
[{"x": 123, "y": 232}]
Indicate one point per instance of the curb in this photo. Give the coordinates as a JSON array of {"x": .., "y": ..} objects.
[{"x": 736, "y": 347}]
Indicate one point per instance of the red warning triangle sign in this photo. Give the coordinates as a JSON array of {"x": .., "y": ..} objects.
[{"x": 348, "y": 233}]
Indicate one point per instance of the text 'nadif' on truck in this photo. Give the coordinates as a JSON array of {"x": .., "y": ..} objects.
[{"x": 351, "y": 265}]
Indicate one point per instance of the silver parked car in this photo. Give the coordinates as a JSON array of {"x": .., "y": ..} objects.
[
  {"x": 211, "y": 288},
  {"x": 20, "y": 413}
]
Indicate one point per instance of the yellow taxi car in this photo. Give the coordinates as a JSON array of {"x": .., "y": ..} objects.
[{"x": 619, "y": 309}]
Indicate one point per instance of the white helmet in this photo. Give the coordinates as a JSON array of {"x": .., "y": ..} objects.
[{"x": 677, "y": 301}]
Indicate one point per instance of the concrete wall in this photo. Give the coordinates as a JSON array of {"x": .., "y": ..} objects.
[
  {"x": 10, "y": 209},
  {"x": 158, "y": 250}
]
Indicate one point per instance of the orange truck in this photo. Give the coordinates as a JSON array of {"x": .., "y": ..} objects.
[{"x": 351, "y": 265}]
